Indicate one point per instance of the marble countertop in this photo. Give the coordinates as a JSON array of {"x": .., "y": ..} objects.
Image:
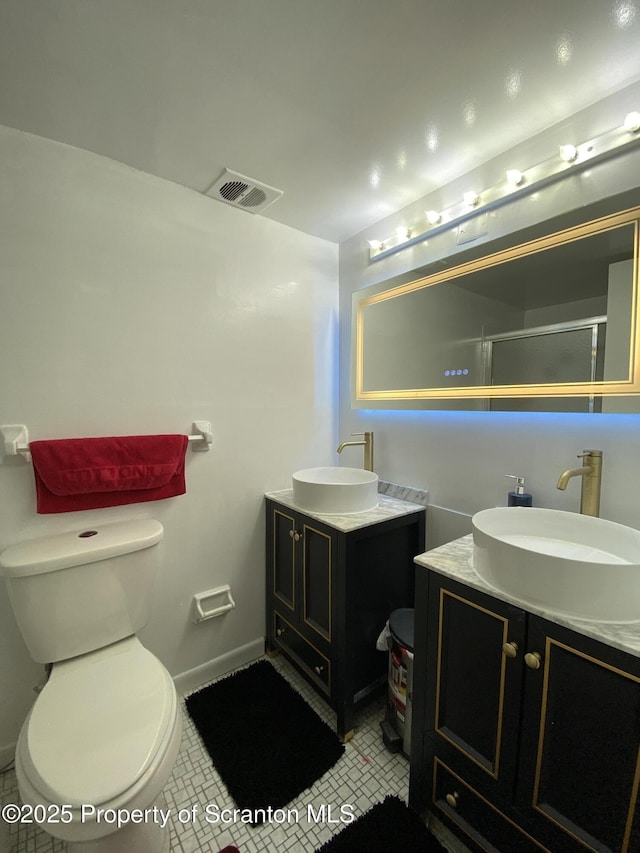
[
  {"x": 455, "y": 561},
  {"x": 388, "y": 507}
]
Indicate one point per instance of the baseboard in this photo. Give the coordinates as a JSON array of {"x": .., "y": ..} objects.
[{"x": 194, "y": 678}]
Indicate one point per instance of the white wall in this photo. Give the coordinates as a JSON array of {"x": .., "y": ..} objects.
[
  {"x": 132, "y": 305},
  {"x": 461, "y": 457}
]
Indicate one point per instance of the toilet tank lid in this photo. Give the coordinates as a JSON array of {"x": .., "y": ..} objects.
[{"x": 77, "y": 547}]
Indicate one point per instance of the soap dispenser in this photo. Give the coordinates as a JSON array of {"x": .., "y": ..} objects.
[{"x": 519, "y": 497}]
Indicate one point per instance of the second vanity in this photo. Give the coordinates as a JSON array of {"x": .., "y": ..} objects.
[
  {"x": 526, "y": 725},
  {"x": 332, "y": 583}
]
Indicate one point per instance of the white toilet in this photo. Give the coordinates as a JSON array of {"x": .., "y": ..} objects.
[{"x": 103, "y": 734}]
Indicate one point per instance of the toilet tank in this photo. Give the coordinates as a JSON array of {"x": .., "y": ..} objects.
[{"x": 76, "y": 592}]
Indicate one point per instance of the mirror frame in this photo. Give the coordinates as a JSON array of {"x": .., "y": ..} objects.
[{"x": 627, "y": 387}]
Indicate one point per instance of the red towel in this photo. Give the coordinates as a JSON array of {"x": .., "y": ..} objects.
[{"x": 89, "y": 473}]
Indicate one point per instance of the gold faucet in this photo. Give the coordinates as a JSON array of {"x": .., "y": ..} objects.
[
  {"x": 367, "y": 443},
  {"x": 591, "y": 474}
]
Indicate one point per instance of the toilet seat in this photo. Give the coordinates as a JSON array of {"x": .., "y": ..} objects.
[{"x": 99, "y": 725}]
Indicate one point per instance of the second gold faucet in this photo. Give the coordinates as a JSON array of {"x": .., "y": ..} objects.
[
  {"x": 591, "y": 473},
  {"x": 367, "y": 443}
]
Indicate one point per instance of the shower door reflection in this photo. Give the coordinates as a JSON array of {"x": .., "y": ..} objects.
[{"x": 551, "y": 354}]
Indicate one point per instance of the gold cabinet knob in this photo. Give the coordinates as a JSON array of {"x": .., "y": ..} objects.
[
  {"x": 533, "y": 660},
  {"x": 297, "y": 536},
  {"x": 280, "y": 631},
  {"x": 291, "y": 533},
  {"x": 510, "y": 649},
  {"x": 452, "y": 799},
  {"x": 318, "y": 669}
]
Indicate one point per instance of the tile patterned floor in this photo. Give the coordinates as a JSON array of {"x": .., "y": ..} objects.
[{"x": 365, "y": 774}]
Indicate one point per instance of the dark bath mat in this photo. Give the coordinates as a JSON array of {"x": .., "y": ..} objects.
[
  {"x": 388, "y": 826},
  {"x": 265, "y": 741}
]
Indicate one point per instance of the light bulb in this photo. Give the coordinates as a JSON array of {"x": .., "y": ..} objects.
[
  {"x": 514, "y": 177},
  {"x": 471, "y": 198},
  {"x": 632, "y": 122},
  {"x": 433, "y": 217},
  {"x": 375, "y": 245},
  {"x": 402, "y": 232},
  {"x": 568, "y": 153}
]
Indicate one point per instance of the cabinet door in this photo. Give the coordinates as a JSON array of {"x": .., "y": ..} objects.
[
  {"x": 283, "y": 559},
  {"x": 477, "y": 667},
  {"x": 299, "y": 600},
  {"x": 581, "y": 741},
  {"x": 317, "y": 562}
]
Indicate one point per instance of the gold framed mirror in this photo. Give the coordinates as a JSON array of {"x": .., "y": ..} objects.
[{"x": 555, "y": 317}]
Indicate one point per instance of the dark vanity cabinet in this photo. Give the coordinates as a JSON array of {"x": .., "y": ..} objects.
[
  {"x": 526, "y": 734},
  {"x": 329, "y": 595}
]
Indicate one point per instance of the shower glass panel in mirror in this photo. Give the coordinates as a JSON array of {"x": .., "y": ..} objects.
[{"x": 550, "y": 324}]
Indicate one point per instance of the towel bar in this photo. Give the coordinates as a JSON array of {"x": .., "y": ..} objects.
[{"x": 14, "y": 438}]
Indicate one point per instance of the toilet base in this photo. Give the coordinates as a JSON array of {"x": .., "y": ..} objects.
[{"x": 134, "y": 838}]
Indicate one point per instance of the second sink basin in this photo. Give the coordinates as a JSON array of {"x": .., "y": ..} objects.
[
  {"x": 563, "y": 562},
  {"x": 335, "y": 491}
]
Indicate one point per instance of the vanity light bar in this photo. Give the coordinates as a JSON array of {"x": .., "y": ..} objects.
[{"x": 571, "y": 157}]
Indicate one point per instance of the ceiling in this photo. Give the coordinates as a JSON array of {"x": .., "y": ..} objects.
[{"x": 354, "y": 108}]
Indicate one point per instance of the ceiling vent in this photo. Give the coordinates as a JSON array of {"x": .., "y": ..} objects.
[{"x": 243, "y": 192}]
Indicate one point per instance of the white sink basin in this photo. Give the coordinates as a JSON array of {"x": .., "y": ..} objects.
[
  {"x": 335, "y": 491},
  {"x": 566, "y": 563}
]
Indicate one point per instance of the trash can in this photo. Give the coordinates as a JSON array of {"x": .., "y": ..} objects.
[{"x": 396, "y": 728}]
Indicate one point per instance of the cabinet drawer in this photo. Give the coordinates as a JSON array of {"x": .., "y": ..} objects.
[
  {"x": 481, "y": 822},
  {"x": 314, "y": 663}
]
